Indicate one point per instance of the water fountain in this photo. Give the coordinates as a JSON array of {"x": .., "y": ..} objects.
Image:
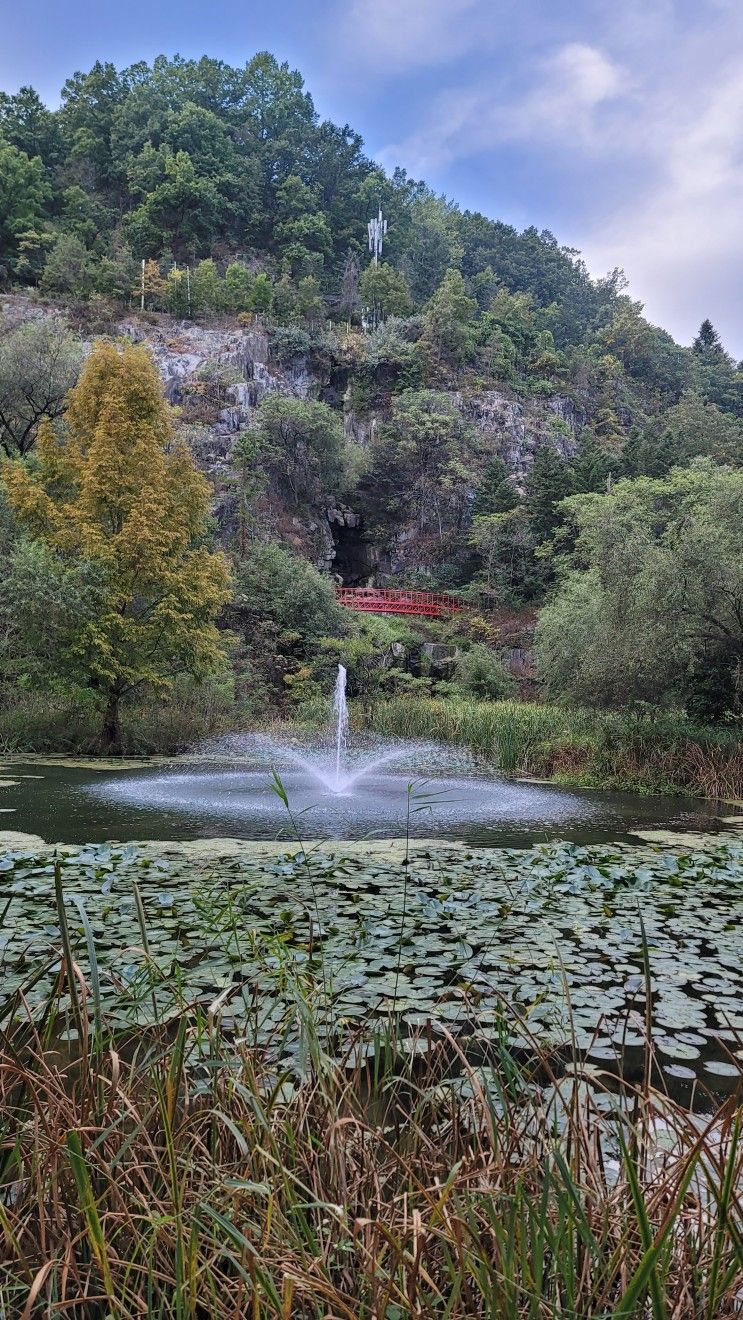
[
  {"x": 340, "y": 712},
  {"x": 347, "y": 787}
]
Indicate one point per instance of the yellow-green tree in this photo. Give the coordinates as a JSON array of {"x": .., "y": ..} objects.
[{"x": 112, "y": 487}]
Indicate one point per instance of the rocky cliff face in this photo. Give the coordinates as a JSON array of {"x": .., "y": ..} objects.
[
  {"x": 187, "y": 355},
  {"x": 515, "y": 428}
]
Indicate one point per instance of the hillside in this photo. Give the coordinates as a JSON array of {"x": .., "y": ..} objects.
[{"x": 421, "y": 420}]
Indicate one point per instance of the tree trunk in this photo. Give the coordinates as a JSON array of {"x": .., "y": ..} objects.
[{"x": 111, "y": 731}]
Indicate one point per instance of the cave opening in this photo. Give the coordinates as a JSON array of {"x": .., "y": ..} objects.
[{"x": 354, "y": 557}]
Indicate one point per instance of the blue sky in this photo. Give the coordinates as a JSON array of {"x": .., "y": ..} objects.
[{"x": 617, "y": 125}]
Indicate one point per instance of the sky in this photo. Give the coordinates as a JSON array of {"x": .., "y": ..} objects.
[{"x": 616, "y": 124}]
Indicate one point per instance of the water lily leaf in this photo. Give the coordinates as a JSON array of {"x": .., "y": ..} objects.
[{"x": 720, "y": 1068}]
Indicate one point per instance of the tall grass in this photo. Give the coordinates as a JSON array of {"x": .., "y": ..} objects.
[
  {"x": 178, "y": 1172},
  {"x": 33, "y": 721},
  {"x": 668, "y": 753}
]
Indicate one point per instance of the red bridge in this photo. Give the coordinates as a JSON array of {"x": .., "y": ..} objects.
[{"x": 379, "y": 600}]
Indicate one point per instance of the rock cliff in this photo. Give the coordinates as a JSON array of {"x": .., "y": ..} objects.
[{"x": 218, "y": 375}]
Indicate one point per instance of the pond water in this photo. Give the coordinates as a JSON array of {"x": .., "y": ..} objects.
[{"x": 232, "y": 797}]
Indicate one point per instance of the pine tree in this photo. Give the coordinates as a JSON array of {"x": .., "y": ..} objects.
[
  {"x": 708, "y": 342},
  {"x": 592, "y": 466},
  {"x": 495, "y": 494},
  {"x": 113, "y": 489},
  {"x": 550, "y": 481}
]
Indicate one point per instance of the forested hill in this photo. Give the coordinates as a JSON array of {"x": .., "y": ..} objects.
[{"x": 188, "y": 160}]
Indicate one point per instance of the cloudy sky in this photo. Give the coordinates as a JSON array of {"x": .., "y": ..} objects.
[{"x": 617, "y": 124}]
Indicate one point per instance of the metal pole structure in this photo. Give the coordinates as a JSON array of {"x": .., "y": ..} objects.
[{"x": 376, "y": 228}]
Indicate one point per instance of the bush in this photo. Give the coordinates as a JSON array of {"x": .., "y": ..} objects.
[
  {"x": 289, "y": 342},
  {"x": 481, "y": 672}
]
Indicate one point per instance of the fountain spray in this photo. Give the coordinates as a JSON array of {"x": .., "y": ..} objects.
[{"x": 340, "y": 712}]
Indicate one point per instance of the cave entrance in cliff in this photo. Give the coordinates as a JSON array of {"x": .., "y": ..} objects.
[{"x": 353, "y": 561}]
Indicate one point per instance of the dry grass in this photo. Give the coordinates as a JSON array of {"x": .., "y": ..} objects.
[{"x": 177, "y": 1174}]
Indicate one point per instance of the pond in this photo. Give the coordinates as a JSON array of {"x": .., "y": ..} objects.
[
  {"x": 520, "y": 895},
  {"x": 89, "y": 802},
  {"x": 550, "y": 941}
]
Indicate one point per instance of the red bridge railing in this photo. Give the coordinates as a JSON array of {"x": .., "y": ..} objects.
[{"x": 381, "y": 600}]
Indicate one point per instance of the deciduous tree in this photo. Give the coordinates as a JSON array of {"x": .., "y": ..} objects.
[
  {"x": 39, "y": 364},
  {"x": 112, "y": 488}
]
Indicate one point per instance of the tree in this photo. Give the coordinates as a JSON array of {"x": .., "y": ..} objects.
[
  {"x": 69, "y": 269},
  {"x": 654, "y": 590},
  {"x": 24, "y": 193},
  {"x": 39, "y": 364},
  {"x": 113, "y": 489},
  {"x": 150, "y": 285},
  {"x": 239, "y": 286},
  {"x": 505, "y": 545},
  {"x": 383, "y": 291},
  {"x": 691, "y": 429},
  {"x": 715, "y": 375},
  {"x": 207, "y": 289},
  {"x": 116, "y": 273},
  {"x": 480, "y": 673},
  {"x": 447, "y": 319},
  {"x": 181, "y": 210},
  {"x": 44, "y": 601},
  {"x": 592, "y": 466},
  {"x": 550, "y": 481},
  {"x": 422, "y": 464},
  {"x": 708, "y": 342},
  {"x": 302, "y": 446},
  {"x": 26, "y": 124},
  {"x": 495, "y": 493},
  {"x": 177, "y": 292},
  {"x": 262, "y": 293}
]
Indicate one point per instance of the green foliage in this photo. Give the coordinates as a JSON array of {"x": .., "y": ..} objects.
[
  {"x": 653, "y": 591},
  {"x": 421, "y": 463},
  {"x": 301, "y": 445},
  {"x": 39, "y": 364},
  {"x": 447, "y": 317},
  {"x": 281, "y": 610},
  {"x": 495, "y": 493},
  {"x": 666, "y": 753},
  {"x": 69, "y": 270},
  {"x": 690, "y": 429},
  {"x": 239, "y": 287},
  {"x": 24, "y": 193},
  {"x": 505, "y": 544},
  {"x": 550, "y": 481},
  {"x": 481, "y": 673},
  {"x": 384, "y": 292},
  {"x": 45, "y": 602},
  {"x": 273, "y": 585}
]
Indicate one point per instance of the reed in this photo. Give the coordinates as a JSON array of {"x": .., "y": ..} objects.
[
  {"x": 176, "y": 1172},
  {"x": 607, "y": 749}
]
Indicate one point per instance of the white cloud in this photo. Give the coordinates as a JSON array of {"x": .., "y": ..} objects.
[
  {"x": 565, "y": 90},
  {"x": 390, "y": 36},
  {"x": 680, "y": 239}
]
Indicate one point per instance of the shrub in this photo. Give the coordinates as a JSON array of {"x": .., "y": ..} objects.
[{"x": 481, "y": 672}]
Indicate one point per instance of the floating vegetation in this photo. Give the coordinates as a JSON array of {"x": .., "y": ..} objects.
[{"x": 450, "y": 936}]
